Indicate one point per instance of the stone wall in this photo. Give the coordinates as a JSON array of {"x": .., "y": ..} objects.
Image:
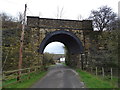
[
  {"x": 40, "y": 27},
  {"x": 59, "y": 23}
]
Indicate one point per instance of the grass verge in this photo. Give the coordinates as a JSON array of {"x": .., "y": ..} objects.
[
  {"x": 64, "y": 63},
  {"x": 27, "y": 83},
  {"x": 92, "y": 81}
]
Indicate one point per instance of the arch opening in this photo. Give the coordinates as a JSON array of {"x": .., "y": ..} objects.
[
  {"x": 55, "y": 48},
  {"x": 57, "y": 52},
  {"x": 71, "y": 41}
]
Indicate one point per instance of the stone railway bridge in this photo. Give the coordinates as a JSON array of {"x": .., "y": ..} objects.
[{"x": 74, "y": 34}]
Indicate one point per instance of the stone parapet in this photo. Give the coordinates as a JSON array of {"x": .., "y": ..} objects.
[{"x": 59, "y": 23}]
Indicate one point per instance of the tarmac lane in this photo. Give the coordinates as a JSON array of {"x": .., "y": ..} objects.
[{"x": 60, "y": 76}]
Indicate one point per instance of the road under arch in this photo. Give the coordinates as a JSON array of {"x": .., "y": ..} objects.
[{"x": 74, "y": 45}]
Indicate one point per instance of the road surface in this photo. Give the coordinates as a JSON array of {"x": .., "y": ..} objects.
[{"x": 59, "y": 76}]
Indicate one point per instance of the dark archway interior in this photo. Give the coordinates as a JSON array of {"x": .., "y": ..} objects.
[{"x": 73, "y": 44}]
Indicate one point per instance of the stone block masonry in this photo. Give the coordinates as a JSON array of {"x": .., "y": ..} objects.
[{"x": 41, "y": 27}]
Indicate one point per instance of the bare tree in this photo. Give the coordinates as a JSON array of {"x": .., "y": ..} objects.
[
  {"x": 8, "y": 21},
  {"x": 114, "y": 25},
  {"x": 48, "y": 58},
  {"x": 6, "y": 17},
  {"x": 102, "y": 17},
  {"x": 79, "y": 17},
  {"x": 40, "y": 15},
  {"x": 59, "y": 12},
  {"x": 20, "y": 17}
]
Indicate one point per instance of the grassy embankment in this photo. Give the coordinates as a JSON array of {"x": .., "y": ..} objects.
[
  {"x": 92, "y": 81},
  {"x": 26, "y": 83}
]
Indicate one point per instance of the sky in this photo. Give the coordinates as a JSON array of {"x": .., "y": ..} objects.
[
  {"x": 71, "y": 9},
  {"x": 49, "y": 8},
  {"x": 55, "y": 47}
]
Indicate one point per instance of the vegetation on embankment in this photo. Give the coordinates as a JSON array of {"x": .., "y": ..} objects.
[
  {"x": 92, "y": 81},
  {"x": 28, "y": 83},
  {"x": 64, "y": 63}
]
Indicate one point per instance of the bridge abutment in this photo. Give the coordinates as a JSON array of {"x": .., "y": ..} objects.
[{"x": 72, "y": 33}]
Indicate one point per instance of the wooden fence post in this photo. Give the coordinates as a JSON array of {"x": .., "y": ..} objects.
[
  {"x": 35, "y": 69},
  {"x": 18, "y": 75},
  {"x": 3, "y": 75},
  {"x": 29, "y": 70},
  {"x": 103, "y": 72},
  {"x": 111, "y": 73},
  {"x": 28, "y": 73},
  {"x": 91, "y": 69},
  {"x": 96, "y": 71}
]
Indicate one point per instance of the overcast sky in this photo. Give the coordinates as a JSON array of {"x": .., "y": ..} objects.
[
  {"x": 55, "y": 47},
  {"x": 48, "y": 9}
]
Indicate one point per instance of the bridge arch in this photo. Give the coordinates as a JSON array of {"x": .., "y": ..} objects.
[{"x": 71, "y": 41}]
